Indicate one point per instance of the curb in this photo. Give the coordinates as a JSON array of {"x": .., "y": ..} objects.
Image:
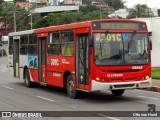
[
  {"x": 3, "y": 56},
  {"x": 153, "y": 88}
]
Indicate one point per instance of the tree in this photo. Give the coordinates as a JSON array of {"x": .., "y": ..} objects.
[
  {"x": 140, "y": 11},
  {"x": 116, "y": 4},
  {"x": 41, "y": 22},
  {"x": 88, "y": 8},
  {"x": 87, "y": 2},
  {"x": 22, "y": 18}
]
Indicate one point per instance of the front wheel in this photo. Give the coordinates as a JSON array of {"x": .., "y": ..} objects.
[
  {"x": 117, "y": 92},
  {"x": 71, "y": 88},
  {"x": 28, "y": 83}
]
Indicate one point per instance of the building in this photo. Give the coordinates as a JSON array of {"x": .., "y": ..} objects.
[
  {"x": 77, "y": 2},
  {"x": 50, "y": 9},
  {"x": 72, "y": 2},
  {"x": 3, "y": 30},
  {"x": 24, "y": 5},
  {"x": 68, "y": 2},
  {"x": 153, "y": 25},
  {"x": 40, "y": 3},
  {"x": 53, "y": 2},
  {"x": 123, "y": 13},
  {"x": 100, "y": 3}
]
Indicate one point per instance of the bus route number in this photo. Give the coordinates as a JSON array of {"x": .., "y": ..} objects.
[{"x": 113, "y": 37}]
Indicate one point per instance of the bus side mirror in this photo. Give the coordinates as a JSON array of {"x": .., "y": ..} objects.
[
  {"x": 150, "y": 44},
  {"x": 90, "y": 41}
]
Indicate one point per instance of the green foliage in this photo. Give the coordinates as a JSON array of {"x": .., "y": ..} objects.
[
  {"x": 88, "y": 8},
  {"x": 86, "y": 12},
  {"x": 1, "y": 2},
  {"x": 116, "y": 4},
  {"x": 65, "y": 18},
  {"x": 140, "y": 11},
  {"x": 155, "y": 74},
  {"x": 87, "y": 2},
  {"x": 38, "y": 23},
  {"x": 7, "y": 12}
]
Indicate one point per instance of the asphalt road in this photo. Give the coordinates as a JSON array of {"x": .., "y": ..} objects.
[{"x": 14, "y": 96}]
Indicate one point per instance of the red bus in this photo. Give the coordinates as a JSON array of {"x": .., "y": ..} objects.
[{"x": 109, "y": 54}]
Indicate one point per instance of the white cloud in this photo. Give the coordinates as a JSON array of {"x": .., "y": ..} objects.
[{"x": 150, "y": 3}]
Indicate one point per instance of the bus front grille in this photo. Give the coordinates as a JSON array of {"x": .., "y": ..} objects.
[{"x": 124, "y": 86}]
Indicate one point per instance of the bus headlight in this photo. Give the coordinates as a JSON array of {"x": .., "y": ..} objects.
[
  {"x": 147, "y": 77},
  {"x": 97, "y": 78}
]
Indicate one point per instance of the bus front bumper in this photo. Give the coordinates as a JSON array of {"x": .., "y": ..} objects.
[{"x": 97, "y": 86}]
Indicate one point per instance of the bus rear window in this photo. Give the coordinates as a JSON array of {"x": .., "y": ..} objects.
[{"x": 10, "y": 45}]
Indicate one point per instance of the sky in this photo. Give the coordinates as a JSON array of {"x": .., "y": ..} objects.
[
  {"x": 131, "y": 3},
  {"x": 150, "y": 3}
]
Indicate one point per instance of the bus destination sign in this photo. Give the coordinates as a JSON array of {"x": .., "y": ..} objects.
[{"x": 119, "y": 26}]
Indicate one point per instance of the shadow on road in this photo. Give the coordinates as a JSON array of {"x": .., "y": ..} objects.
[{"x": 94, "y": 97}]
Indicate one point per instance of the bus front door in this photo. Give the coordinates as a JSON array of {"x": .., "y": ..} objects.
[
  {"x": 16, "y": 58},
  {"x": 42, "y": 60},
  {"x": 82, "y": 57}
]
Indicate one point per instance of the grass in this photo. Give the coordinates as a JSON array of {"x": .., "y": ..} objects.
[{"x": 155, "y": 74}]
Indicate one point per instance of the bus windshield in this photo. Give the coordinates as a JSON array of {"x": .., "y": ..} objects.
[{"x": 121, "y": 48}]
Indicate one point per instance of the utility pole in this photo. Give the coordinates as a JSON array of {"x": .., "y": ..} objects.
[
  {"x": 31, "y": 20},
  {"x": 101, "y": 11},
  {"x": 14, "y": 21}
]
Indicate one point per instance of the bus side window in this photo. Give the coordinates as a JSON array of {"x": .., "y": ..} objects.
[
  {"x": 24, "y": 45},
  {"x": 53, "y": 44},
  {"x": 10, "y": 45},
  {"x": 67, "y": 43}
]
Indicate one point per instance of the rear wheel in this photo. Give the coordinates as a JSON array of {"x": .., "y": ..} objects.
[
  {"x": 71, "y": 89},
  {"x": 117, "y": 92},
  {"x": 28, "y": 83}
]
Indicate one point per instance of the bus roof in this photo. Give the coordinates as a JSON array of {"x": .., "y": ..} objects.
[
  {"x": 21, "y": 33},
  {"x": 80, "y": 25},
  {"x": 69, "y": 26}
]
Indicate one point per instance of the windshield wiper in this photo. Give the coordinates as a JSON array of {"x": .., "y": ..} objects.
[{"x": 130, "y": 42}]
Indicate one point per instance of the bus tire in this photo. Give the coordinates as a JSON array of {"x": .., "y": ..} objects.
[
  {"x": 117, "y": 92},
  {"x": 70, "y": 86},
  {"x": 28, "y": 83}
]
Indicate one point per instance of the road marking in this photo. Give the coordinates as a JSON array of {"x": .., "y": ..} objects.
[
  {"x": 149, "y": 97},
  {"x": 3, "y": 68},
  {"x": 6, "y": 66},
  {"x": 8, "y": 87},
  {"x": 45, "y": 98},
  {"x": 112, "y": 118}
]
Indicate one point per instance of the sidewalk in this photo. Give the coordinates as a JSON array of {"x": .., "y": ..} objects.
[
  {"x": 155, "y": 83},
  {"x": 155, "y": 86}
]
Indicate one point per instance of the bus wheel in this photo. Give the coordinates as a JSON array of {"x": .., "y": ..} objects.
[
  {"x": 71, "y": 90},
  {"x": 28, "y": 83},
  {"x": 117, "y": 92}
]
